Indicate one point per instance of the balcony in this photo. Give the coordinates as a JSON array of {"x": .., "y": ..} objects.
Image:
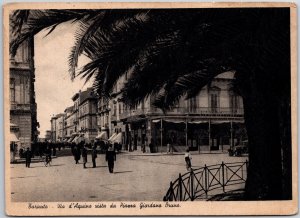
[
  {"x": 131, "y": 113},
  {"x": 21, "y": 107},
  {"x": 208, "y": 111}
]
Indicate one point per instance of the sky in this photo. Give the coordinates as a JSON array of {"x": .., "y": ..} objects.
[{"x": 53, "y": 86}]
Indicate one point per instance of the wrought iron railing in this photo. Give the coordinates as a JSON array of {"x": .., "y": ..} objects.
[{"x": 197, "y": 183}]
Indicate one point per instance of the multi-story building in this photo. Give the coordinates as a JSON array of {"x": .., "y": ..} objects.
[
  {"x": 210, "y": 121},
  {"x": 23, "y": 114},
  {"x": 60, "y": 127},
  {"x": 48, "y": 135},
  {"x": 54, "y": 130},
  {"x": 69, "y": 127},
  {"x": 87, "y": 115},
  {"x": 103, "y": 118}
]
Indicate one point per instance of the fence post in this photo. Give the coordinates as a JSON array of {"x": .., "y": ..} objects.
[
  {"x": 192, "y": 184},
  {"x": 247, "y": 164},
  {"x": 223, "y": 176},
  {"x": 180, "y": 187},
  {"x": 172, "y": 192},
  {"x": 205, "y": 180}
]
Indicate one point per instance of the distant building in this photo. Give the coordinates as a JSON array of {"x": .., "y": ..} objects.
[
  {"x": 103, "y": 118},
  {"x": 54, "y": 130},
  {"x": 87, "y": 115},
  {"x": 48, "y": 135},
  {"x": 69, "y": 126},
  {"x": 60, "y": 127},
  {"x": 23, "y": 116}
]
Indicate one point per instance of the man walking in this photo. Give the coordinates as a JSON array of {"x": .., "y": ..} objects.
[
  {"x": 110, "y": 158},
  {"x": 28, "y": 156},
  {"x": 94, "y": 155},
  {"x": 84, "y": 156}
]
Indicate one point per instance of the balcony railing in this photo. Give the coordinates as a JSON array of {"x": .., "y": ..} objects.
[
  {"x": 133, "y": 112},
  {"x": 14, "y": 106},
  {"x": 200, "y": 111}
]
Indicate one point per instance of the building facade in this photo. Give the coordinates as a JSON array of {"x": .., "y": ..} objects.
[
  {"x": 87, "y": 115},
  {"x": 69, "y": 127},
  {"x": 23, "y": 107},
  {"x": 48, "y": 135},
  {"x": 213, "y": 120},
  {"x": 54, "y": 130}
]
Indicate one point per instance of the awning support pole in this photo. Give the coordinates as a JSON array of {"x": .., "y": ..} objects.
[
  {"x": 186, "y": 133},
  {"x": 231, "y": 135},
  {"x": 209, "y": 135},
  {"x": 161, "y": 134}
]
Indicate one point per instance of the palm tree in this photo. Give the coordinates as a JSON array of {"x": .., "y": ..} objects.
[{"x": 174, "y": 53}]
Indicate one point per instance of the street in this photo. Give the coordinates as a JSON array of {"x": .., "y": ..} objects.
[{"x": 136, "y": 177}]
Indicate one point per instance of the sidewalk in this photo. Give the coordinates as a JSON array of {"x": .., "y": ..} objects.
[
  {"x": 140, "y": 153},
  {"x": 19, "y": 160}
]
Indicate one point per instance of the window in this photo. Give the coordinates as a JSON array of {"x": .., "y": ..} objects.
[
  {"x": 115, "y": 110},
  {"x": 120, "y": 108},
  {"x": 214, "y": 99},
  {"x": 12, "y": 90},
  {"x": 234, "y": 103},
  {"x": 214, "y": 103},
  {"x": 192, "y": 104}
]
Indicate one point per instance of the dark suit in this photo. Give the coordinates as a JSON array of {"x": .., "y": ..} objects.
[
  {"x": 110, "y": 158},
  {"x": 94, "y": 156},
  {"x": 84, "y": 156},
  {"x": 28, "y": 156}
]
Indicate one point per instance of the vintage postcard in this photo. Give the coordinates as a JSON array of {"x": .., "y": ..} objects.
[{"x": 150, "y": 109}]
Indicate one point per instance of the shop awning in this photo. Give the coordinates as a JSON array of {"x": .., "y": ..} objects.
[
  {"x": 13, "y": 137},
  {"x": 197, "y": 121},
  {"x": 102, "y": 135},
  {"x": 117, "y": 138},
  {"x": 156, "y": 121},
  {"x": 79, "y": 139},
  {"x": 112, "y": 137},
  {"x": 174, "y": 121}
]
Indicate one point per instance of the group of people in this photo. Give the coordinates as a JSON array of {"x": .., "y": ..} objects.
[{"x": 81, "y": 150}]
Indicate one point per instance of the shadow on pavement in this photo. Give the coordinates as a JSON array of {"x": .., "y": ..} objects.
[
  {"x": 123, "y": 172},
  {"x": 52, "y": 165}
]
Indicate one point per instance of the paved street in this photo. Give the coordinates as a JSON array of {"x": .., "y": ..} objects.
[{"x": 136, "y": 178}]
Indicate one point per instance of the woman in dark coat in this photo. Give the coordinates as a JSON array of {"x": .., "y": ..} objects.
[
  {"x": 110, "y": 158},
  {"x": 76, "y": 154}
]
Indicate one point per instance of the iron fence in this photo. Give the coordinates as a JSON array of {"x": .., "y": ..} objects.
[{"x": 198, "y": 182}]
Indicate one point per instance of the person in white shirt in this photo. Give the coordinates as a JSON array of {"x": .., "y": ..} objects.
[{"x": 188, "y": 158}]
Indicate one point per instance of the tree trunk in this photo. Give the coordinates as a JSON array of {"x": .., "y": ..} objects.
[{"x": 264, "y": 179}]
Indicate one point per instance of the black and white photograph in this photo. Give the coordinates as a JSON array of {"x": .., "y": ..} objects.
[{"x": 153, "y": 107}]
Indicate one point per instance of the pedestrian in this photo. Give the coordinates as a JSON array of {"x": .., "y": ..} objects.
[
  {"x": 188, "y": 158},
  {"x": 94, "y": 155},
  {"x": 48, "y": 156},
  {"x": 84, "y": 156},
  {"x": 168, "y": 148},
  {"x": 28, "y": 156},
  {"x": 110, "y": 158},
  {"x": 151, "y": 147},
  {"x": 76, "y": 154}
]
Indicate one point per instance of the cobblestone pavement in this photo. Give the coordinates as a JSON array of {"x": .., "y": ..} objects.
[{"x": 136, "y": 178}]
